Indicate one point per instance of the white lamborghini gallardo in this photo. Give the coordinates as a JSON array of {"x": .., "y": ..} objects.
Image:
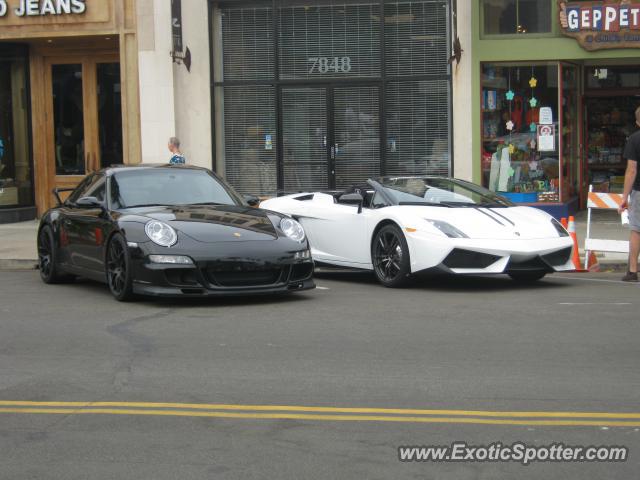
[{"x": 398, "y": 226}]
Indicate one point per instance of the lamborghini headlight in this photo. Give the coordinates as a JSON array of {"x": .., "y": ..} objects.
[
  {"x": 559, "y": 228},
  {"x": 446, "y": 228},
  {"x": 292, "y": 229},
  {"x": 160, "y": 233}
]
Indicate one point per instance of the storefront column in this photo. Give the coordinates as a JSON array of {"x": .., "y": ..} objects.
[
  {"x": 131, "y": 144},
  {"x": 156, "y": 83},
  {"x": 463, "y": 92}
]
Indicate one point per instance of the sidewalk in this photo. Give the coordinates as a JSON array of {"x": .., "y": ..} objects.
[
  {"x": 18, "y": 240},
  {"x": 18, "y": 250}
]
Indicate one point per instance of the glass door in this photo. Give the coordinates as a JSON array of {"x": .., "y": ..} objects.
[
  {"x": 356, "y": 113},
  {"x": 330, "y": 136},
  {"x": 570, "y": 132},
  {"x": 84, "y": 116},
  {"x": 305, "y": 139}
]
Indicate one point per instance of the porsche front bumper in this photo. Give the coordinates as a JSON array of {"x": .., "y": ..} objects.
[{"x": 244, "y": 269}]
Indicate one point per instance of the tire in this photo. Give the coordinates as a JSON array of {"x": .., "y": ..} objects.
[
  {"x": 118, "y": 269},
  {"x": 390, "y": 257},
  {"x": 528, "y": 277},
  {"x": 50, "y": 272}
]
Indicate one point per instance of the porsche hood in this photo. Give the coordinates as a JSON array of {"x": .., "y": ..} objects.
[{"x": 216, "y": 223}]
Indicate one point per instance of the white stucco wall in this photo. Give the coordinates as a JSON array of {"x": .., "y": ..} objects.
[
  {"x": 462, "y": 97},
  {"x": 157, "y": 106},
  {"x": 192, "y": 90}
]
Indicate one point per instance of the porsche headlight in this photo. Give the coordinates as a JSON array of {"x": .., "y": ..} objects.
[
  {"x": 160, "y": 233},
  {"x": 559, "y": 228},
  {"x": 446, "y": 228},
  {"x": 292, "y": 229}
]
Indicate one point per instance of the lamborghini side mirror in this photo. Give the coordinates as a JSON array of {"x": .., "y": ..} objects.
[
  {"x": 252, "y": 201},
  {"x": 352, "y": 199}
]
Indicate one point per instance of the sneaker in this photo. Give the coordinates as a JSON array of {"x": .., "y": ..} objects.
[{"x": 630, "y": 277}]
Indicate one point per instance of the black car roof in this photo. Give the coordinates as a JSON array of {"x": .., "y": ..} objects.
[{"x": 148, "y": 166}]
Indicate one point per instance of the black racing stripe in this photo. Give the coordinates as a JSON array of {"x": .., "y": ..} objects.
[
  {"x": 490, "y": 216},
  {"x": 502, "y": 216}
]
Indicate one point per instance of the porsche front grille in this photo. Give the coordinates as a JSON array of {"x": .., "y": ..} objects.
[{"x": 246, "y": 276}]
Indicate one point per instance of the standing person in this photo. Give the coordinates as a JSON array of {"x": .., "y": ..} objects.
[
  {"x": 174, "y": 148},
  {"x": 631, "y": 200}
]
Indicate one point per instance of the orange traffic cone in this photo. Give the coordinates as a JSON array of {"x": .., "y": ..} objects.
[
  {"x": 592, "y": 262},
  {"x": 564, "y": 223},
  {"x": 576, "y": 248}
]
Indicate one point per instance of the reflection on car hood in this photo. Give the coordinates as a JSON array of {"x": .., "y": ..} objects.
[
  {"x": 492, "y": 223},
  {"x": 215, "y": 223}
]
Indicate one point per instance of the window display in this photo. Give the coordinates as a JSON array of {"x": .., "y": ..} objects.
[
  {"x": 520, "y": 144},
  {"x": 15, "y": 160},
  {"x": 610, "y": 120}
]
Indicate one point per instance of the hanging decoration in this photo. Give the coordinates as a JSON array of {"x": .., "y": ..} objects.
[
  {"x": 510, "y": 124},
  {"x": 533, "y": 102}
]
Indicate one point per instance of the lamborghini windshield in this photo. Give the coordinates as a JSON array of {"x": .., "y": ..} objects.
[{"x": 444, "y": 192}]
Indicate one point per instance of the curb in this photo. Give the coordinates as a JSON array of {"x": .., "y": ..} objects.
[{"x": 8, "y": 264}]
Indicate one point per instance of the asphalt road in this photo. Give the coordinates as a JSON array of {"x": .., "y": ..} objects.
[{"x": 462, "y": 349}]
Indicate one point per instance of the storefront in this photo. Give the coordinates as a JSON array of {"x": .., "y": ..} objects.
[
  {"x": 557, "y": 86},
  {"x": 314, "y": 94},
  {"x": 68, "y": 97}
]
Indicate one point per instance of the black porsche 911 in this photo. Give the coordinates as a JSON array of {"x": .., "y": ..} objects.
[{"x": 169, "y": 230}]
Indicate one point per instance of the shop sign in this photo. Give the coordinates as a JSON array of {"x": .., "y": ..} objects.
[
  {"x": 176, "y": 25},
  {"x": 41, "y": 8},
  {"x": 546, "y": 116},
  {"x": 546, "y": 138},
  {"x": 601, "y": 25}
]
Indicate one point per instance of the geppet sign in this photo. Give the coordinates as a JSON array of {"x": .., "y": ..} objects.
[{"x": 600, "y": 25}]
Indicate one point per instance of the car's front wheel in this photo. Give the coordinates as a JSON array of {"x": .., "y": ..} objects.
[
  {"x": 48, "y": 258},
  {"x": 528, "y": 277},
  {"x": 390, "y": 256},
  {"x": 118, "y": 266}
]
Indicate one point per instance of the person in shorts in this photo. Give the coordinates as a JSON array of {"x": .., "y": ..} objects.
[
  {"x": 631, "y": 200},
  {"x": 174, "y": 148}
]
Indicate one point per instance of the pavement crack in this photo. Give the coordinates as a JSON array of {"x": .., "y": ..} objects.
[{"x": 140, "y": 345}]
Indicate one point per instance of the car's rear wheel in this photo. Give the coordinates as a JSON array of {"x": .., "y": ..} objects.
[
  {"x": 47, "y": 258},
  {"x": 390, "y": 256},
  {"x": 528, "y": 277},
  {"x": 119, "y": 275}
]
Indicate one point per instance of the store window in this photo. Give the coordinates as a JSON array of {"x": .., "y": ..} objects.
[
  {"x": 324, "y": 94},
  {"x": 612, "y": 77},
  {"x": 508, "y": 17},
  {"x": 16, "y": 188},
  {"x": 520, "y": 125}
]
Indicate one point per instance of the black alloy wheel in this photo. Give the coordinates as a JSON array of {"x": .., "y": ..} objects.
[
  {"x": 390, "y": 256},
  {"x": 47, "y": 258},
  {"x": 527, "y": 276},
  {"x": 119, "y": 269}
]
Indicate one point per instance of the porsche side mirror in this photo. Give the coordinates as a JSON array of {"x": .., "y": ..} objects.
[
  {"x": 252, "y": 200},
  {"x": 352, "y": 199},
  {"x": 89, "y": 202}
]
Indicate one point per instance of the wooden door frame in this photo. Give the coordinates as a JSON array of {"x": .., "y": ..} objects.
[{"x": 89, "y": 63}]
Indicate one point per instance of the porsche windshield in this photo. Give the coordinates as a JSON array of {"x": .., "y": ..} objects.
[
  {"x": 168, "y": 186},
  {"x": 443, "y": 192}
]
